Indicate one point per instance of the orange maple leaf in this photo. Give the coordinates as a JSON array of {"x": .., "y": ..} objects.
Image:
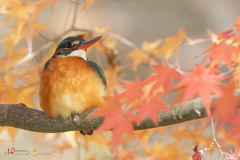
[
  {"x": 118, "y": 121},
  {"x": 133, "y": 90},
  {"x": 112, "y": 103},
  {"x": 163, "y": 77},
  {"x": 201, "y": 80},
  {"x": 151, "y": 108},
  {"x": 237, "y": 24},
  {"x": 139, "y": 56},
  {"x": 171, "y": 44},
  {"x": 221, "y": 51},
  {"x": 226, "y": 35},
  {"x": 226, "y": 105}
]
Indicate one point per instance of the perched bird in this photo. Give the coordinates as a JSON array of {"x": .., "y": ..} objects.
[{"x": 70, "y": 84}]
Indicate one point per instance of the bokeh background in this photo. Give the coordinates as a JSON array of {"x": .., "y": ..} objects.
[{"x": 138, "y": 21}]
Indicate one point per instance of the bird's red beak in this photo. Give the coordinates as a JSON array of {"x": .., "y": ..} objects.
[{"x": 89, "y": 43}]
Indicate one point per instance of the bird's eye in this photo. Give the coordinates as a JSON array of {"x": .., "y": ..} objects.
[{"x": 69, "y": 45}]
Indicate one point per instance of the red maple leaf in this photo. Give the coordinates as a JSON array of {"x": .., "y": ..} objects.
[
  {"x": 221, "y": 51},
  {"x": 237, "y": 24},
  {"x": 118, "y": 122},
  {"x": 197, "y": 154},
  {"x": 112, "y": 103},
  {"x": 231, "y": 156},
  {"x": 201, "y": 80},
  {"x": 133, "y": 90},
  {"x": 163, "y": 77},
  {"x": 236, "y": 39},
  {"x": 226, "y": 105},
  {"x": 226, "y": 35},
  {"x": 234, "y": 122},
  {"x": 151, "y": 108}
]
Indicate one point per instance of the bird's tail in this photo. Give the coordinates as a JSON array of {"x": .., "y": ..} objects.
[{"x": 87, "y": 132}]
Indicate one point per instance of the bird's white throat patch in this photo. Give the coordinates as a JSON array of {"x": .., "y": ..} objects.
[{"x": 78, "y": 53}]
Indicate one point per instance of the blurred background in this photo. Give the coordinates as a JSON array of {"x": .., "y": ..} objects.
[{"x": 137, "y": 21}]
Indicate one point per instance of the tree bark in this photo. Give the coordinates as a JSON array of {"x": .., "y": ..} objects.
[{"x": 21, "y": 116}]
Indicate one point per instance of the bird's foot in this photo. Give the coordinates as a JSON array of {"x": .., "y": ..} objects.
[{"x": 86, "y": 133}]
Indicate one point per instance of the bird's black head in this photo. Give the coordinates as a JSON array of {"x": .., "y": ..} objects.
[{"x": 72, "y": 43}]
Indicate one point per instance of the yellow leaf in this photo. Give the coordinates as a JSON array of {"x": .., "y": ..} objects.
[
  {"x": 87, "y": 3},
  {"x": 60, "y": 148},
  {"x": 39, "y": 135},
  {"x": 196, "y": 135},
  {"x": 71, "y": 138},
  {"x": 147, "y": 88},
  {"x": 99, "y": 140},
  {"x": 138, "y": 57},
  {"x": 101, "y": 30},
  {"x": 112, "y": 77},
  {"x": 170, "y": 151},
  {"x": 11, "y": 131},
  {"x": 149, "y": 47},
  {"x": 171, "y": 45},
  {"x": 25, "y": 95}
]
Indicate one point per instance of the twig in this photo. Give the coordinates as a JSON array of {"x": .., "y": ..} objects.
[
  {"x": 28, "y": 57},
  {"x": 214, "y": 139},
  {"x": 43, "y": 36},
  {"x": 29, "y": 36},
  {"x": 75, "y": 14},
  {"x": 195, "y": 41},
  {"x": 228, "y": 72}
]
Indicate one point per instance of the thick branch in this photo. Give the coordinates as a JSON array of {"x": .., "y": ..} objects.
[{"x": 20, "y": 116}]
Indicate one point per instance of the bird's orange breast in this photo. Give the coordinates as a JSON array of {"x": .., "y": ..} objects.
[{"x": 69, "y": 86}]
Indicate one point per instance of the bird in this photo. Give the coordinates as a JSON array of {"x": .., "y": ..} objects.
[{"x": 70, "y": 83}]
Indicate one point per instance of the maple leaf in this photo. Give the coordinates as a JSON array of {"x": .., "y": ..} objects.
[
  {"x": 112, "y": 76},
  {"x": 133, "y": 90},
  {"x": 139, "y": 56},
  {"x": 225, "y": 35},
  {"x": 124, "y": 154},
  {"x": 11, "y": 131},
  {"x": 163, "y": 77},
  {"x": 236, "y": 76},
  {"x": 226, "y": 105},
  {"x": 151, "y": 108},
  {"x": 179, "y": 97},
  {"x": 147, "y": 89},
  {"x": 213, "y": 36},
  {"x": 12, "y": 95},
  {"x": 117, "y": 121},
  {"x": 171, "y": 44},
  {"x": 161, "y": 151},
  {"x": 38, "y": 136},
  {"x": 112, "y": 103},
  {"x": 237, "y": 24},
  {"x": 107, "y": 45},
  {"x": 220, "y": 51},
  {"x": 231, "y": 156},
  {"x": 233, "y": 120},
  {"x": 198, "y": 153},
  {"x": 196, "y": 136},
  {"x": 236, "y": 39},
  {"x": 99, "y": 140},
  {"x": 87, "y": 3},
  {"x": 115, "y": 118},
  {"x": 201, "y": 80},
  {"x": 61, "y": 148}
]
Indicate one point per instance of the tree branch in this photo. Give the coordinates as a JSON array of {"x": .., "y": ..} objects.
[{"x": 21, "y": 116}]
